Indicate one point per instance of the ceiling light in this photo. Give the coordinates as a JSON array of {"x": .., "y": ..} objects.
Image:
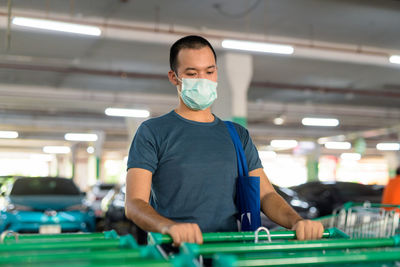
[
  {"x": 284, "y": 143},
  {"x": 122, "y": 112},
  {"x": 84, "y": 137},
  {"x": 56, "y": 149},
  {"x": 395, "y": 59},
  {"x": 8, "y": 134},
  {"x": 307, "y": 145},
  {"x": 57, "y": 26},
  {"x": 337, "y": 145},
  {"x": 258, "y": 47},
  {"x": 350, "y": 156},
  {"x": 388, "y": 146},
  {"x": 279, "y": 121},
  {"x": 320, "y": 122},
  {"x": 90, "y": 150}
]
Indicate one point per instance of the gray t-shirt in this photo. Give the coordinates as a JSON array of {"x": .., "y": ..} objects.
[{"x": 194, "y": 169}]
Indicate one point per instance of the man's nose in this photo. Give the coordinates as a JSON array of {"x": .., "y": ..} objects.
[{"x": 202, "y": 75}]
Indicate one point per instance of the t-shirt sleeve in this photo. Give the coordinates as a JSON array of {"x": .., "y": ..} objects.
[
  {"x": 250, "y": 150},
  {"x": 143, "y": 151}
]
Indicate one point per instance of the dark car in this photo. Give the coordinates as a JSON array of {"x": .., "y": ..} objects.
[
  {"x": 96, "y": 194},
  {"x": 45, "y": 205},
  {"x": 113, "y": 206},
  {"x": 304, "y": 208},
  {"x": 328, "y": 196}
]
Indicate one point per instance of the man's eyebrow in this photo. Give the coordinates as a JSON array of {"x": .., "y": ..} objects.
[{"x": 191, "y": 68}]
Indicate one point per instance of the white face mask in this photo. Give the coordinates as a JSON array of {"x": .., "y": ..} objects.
[{"x": 198, "y": 94}]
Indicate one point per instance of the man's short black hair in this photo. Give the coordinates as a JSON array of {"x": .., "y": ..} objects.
[
  {"x": 191, "y": 42},
  {"x": 398, "y": 170}
]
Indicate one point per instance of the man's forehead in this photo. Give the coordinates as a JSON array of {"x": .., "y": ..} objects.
[{"x": 196, "y": 58}]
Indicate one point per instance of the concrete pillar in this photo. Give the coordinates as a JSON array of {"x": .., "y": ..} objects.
[
  {"x": 132, "y": 124},
  {"x": 98, "y": 153},
  {"x": 393, "y": 160},
  {"x": 64, "y": 165},
  {"x": 312, "y": 164},
  {"x": 235, "y": 72},
  {"x": 81, "y": 168}
]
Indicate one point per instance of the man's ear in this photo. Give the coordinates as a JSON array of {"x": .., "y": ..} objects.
[{"x": 172, "y": 78}]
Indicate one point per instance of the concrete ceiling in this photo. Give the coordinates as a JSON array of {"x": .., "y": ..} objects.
[{"x": 51, "y": 83}]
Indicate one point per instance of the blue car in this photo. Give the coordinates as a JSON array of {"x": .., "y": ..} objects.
[{"x": 45, "y": 205}]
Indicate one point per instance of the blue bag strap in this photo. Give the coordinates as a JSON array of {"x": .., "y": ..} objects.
[{"x": 241, "y": 157}]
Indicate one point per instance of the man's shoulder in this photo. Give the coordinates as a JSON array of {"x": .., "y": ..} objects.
[
  {"x": 240, "y": 129},
  {"x": 159, "y": 121}
]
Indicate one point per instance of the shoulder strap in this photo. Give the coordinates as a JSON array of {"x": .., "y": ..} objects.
[{"x": 241, "y": 157}]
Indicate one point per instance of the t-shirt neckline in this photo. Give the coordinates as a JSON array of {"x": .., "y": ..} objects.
[{"x": 173, "y": 112}]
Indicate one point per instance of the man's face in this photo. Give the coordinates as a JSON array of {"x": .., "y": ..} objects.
[{"x": 197, "y": 63}]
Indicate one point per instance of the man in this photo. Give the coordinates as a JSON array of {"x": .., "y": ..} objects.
[
  {"x": 391, "y": 193},
  {"x": 185, "y": 162}
]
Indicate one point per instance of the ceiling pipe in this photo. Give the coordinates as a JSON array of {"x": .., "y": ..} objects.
[
  {"x": 167, "y": 34},
  {"x": 373, "y": 133},
  {"x": 324, "y": 89},
  {"x": 151, "y": 76}
]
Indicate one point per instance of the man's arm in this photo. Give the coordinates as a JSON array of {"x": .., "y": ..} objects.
[
  {"x": 279, "y": 211},
  {"x": 137, "y": 209}
]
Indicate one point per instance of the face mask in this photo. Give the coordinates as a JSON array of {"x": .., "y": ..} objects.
[{"x": 198, "y": 94}]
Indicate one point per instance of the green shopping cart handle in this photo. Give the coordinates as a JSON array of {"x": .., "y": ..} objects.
[
  {"x": 157, "y": 238},
  {"x": 267, "y": 249},
  {"x": 350, "y": 204}
]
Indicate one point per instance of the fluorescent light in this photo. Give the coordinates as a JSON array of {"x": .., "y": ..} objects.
[
  {"x": 8, "y": 134},
  {"x": 337, "y": 145},
  {"x": 267, "y": 154},
  {"x": 284, "y": 143},
  {"x": 320, "y": 122},
  {"x": 80, "y": 137},
  {"x": 258, "y": 47},
  {"x": 350, "y": 156},
  {"x": 90, "y": 150},
  {"x": 388, "y": 146},
  {"x": 56, "y": 149},
  {"x": 57, "y": 26},
  {"x": 122, "y": 112},
  {"x": 307, "y": 145},
  {"x": 395, "y": 59}
]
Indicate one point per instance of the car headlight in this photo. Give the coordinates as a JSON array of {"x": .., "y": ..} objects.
[
  {"x": 16, "y": 207},
  {"x": 299, "y": 203}
]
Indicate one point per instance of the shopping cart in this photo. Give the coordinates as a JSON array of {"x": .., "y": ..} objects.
[
  {"x": 279, "y": 248},
  {"x": 365, "y": 220},
  {"x": 82, "y": 250}
]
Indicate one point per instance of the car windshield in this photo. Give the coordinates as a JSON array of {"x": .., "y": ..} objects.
[
  {"x": 106, "y": 186},
  {"x": 44, "y": 186}
]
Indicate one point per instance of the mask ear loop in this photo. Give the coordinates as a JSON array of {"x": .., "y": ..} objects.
[
  {"x": 177, "y": 77},
  {"x": 177, "y": 87}
]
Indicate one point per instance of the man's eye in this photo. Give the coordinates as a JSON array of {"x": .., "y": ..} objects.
[
  {"x": 190, "y": 74},
  {"x": 210, "y": 72}
]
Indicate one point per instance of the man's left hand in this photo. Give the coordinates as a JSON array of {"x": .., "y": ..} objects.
[{"x": 308, "y": 230}]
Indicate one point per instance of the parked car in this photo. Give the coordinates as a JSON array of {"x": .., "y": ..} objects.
[
  {"x": 45, "y": 205},
  {"x": 95, "y": 196},
  {"x": 328, "y": 196},
  {"x": 113, "y": 206},
  {"x": 304, "y": 208}
]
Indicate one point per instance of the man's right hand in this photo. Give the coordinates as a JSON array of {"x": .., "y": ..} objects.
[{"x": 184, "y": 232}]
